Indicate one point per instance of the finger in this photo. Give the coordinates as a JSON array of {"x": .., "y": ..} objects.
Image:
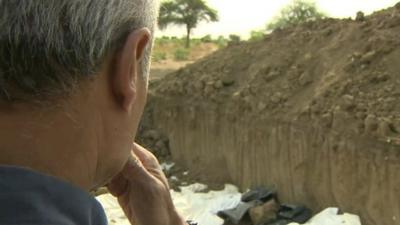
[
  {"x": 145, "y": 156},
  {"x": 134, "y": 170},
  {"x": 150, "y": 163},
  {"x": 118, "y": 185}
]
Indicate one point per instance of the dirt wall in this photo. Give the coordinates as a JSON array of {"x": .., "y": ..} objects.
[
  {"x": 306, "y": 163},
  {"x": 313, "y": 110}
]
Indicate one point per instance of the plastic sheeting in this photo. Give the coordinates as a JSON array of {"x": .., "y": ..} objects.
[
  {"x": 167, "y": 166},
  {"x": 203, "y": 207},
  {"x": 330, "y": 216},
  {"x": 190, "y": 202},
  {"x": 194, "y": 204}
]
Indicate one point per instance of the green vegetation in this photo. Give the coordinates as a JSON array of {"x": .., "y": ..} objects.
[
  {"x": 297, "y": 12},
  {"x": 181, "y": 54},
  {"x": 221, "y": 42},
  {"x": 159, "y": 56},
  {"x": 234, "y": 39},
  {"x": 256, "y": 35},
  {"x": 174, "y": 47},
  {"x": 163, "y": 40},
  {"x": 196, "y": 41},
  {"x": 206, "y": 39},
  {"x": 187, "y": 13}
]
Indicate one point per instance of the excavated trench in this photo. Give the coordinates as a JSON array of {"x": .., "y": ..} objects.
[
  {"x": 307, "y": 164},
  {"x": 312, "y": 110}
]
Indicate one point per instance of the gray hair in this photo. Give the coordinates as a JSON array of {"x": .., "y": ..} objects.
[{"x": 48, "y": 46}]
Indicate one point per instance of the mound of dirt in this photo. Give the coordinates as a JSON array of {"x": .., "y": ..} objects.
[{"x": 343, "y": 75}]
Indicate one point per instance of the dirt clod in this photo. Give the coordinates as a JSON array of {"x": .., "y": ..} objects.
[
  {"x": 265, "y": 213},
  {"x": 371, "y": 123}
]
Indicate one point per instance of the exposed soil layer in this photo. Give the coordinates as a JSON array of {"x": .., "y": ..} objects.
[{"x": 340, "y": 73}]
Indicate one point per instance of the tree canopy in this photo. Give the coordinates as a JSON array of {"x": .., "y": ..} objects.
[
  {"x": 188, "y": 13},
  {"x": 297, "y": 12}
]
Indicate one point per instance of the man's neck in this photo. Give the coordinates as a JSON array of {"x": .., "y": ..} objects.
[{"x": 54, "y": 143}]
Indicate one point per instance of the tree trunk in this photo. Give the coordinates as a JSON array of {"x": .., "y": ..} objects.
[{"x": 188, "y": 29}]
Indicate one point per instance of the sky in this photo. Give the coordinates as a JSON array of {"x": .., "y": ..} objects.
[{"x": 242, "y": 16}]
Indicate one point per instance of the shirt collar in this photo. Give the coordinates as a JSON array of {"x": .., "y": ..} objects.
[{"x": 29, "y": 197}]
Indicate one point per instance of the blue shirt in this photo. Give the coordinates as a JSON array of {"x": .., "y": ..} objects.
[{"x": 31, "y": 198}]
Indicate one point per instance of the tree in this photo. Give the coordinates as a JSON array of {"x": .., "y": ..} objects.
[
  {"x": 297, "y": 12},
  {"x": 256, "y": 35},
  {"x": 186, "y": 12}
]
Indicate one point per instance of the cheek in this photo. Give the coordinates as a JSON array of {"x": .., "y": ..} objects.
[
  {"x": 118, "y": 141},
  {"x": 122, "y": 145},
  {"x": 115, "y": 153}
]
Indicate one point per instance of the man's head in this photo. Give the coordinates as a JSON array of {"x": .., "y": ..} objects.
[{"x": 73, "y": 79}]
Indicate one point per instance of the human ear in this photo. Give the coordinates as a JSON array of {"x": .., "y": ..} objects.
[{"x": 127, "y": 66}]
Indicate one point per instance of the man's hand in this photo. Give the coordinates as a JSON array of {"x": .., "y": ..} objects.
[{"x": 142, "y": 191}]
